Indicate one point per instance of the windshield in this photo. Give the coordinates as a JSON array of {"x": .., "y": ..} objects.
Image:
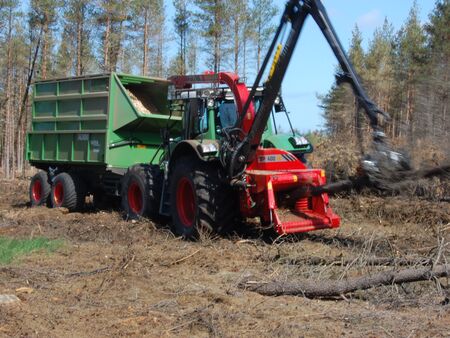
[{"x": 227, "y": 114}]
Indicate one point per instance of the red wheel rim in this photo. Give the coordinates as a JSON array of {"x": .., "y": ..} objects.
[
  {"x": 186, "y": 202},
  {"x": 36, "y": 191},
  {"x": 58, "y": 194},
  {"x": 135, "y": 198}
]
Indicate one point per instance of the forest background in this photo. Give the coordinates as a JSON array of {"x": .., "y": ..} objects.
[{"x": 405, "y": 71}]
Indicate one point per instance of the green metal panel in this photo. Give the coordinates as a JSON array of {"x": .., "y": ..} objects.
[
  {"x": 97, "y": 147},
  {"x": 80, "y": 147},
  {"x": 95, "y": 106},
  {"x": 41, "y": 126},
  {"x": 45, "y": 108},
  {"x": 70, "y": 87},
  {"x": 50, "y": 146},
  {"x": 44, "y": 89},
  {"x": 68, "y": 125},
  {"x": 69, "y": 107},
  {"x": 96, "y": 85},
  {"x": 35, "y": 143},
  {"x": 65, "y": 147},
  {"x": 93, "y": 125}
]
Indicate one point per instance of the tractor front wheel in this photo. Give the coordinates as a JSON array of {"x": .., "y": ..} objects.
[
  {"x": 200, "y": 201},
  {"x": 39, "y": 189},
  {"x": 141, "y": 191},
  {"x": 68, "y": 191}
]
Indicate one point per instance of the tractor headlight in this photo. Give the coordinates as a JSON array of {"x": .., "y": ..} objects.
[
  {"x": 207, "y": 148},
  {"x": 299, "y": 141}
]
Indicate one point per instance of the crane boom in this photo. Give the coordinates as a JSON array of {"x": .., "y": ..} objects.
[{"x": 241, "y": 150}]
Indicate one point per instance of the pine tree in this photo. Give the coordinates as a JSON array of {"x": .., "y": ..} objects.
[
  {"x": 182, "y": 22},
  {"x": 64, "y": 57},
  {"x": 110, "y": 19},
  {"x": 433, "y": 96},
  {"x": 409, "y": 66},
  {"x": 44, "y": 14},
  {"x": 78, "y": 26},
  {"x": 238, "y": 17},
  {"x": 380, "y": 68},
  {"x": 211, "y": 20},
  {"x": 262, "y": 13}
]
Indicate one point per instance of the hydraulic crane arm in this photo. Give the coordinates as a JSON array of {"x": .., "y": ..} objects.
[{"x": 240, "y": 150}]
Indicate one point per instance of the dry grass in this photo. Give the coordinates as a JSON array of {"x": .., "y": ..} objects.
[{"x": 121, "y": 278}]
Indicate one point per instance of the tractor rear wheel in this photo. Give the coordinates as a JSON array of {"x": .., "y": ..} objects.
[
  {"x": 200, "y": 201},
  {"x": 40, "y": 189},
  {"x": 68, "y": 191},
  {"x": 141, "y": 192}
]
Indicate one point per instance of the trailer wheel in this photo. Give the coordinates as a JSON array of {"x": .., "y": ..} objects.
[
  {"x": 39, "y": 189},
  {"x": 141, "y": 191},
  {"x": 200, "y": 201},
  {"x": 68, "y": 191}
]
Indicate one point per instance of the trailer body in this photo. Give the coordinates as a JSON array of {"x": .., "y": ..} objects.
[{"x": 92, "y": 124}]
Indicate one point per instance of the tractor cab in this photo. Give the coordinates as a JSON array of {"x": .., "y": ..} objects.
[{"x": 208, "y": 113}]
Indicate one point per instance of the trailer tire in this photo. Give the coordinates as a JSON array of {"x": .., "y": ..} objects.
[
  {"x": 141, "y": 191},
  {"x": 40, "y": 189},
  {"x": 68, "y": 191},
  {"x": 201, "y": 202}
]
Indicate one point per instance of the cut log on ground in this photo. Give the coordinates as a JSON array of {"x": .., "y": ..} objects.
[
  {"x": 335, "y": 288},
  {"x": 339, "y": 261}
]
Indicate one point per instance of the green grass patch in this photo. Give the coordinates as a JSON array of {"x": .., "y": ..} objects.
[{"x": 11, "y": 248}]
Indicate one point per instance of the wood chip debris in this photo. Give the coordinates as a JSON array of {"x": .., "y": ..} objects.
[{"x": 146, "y": 107}]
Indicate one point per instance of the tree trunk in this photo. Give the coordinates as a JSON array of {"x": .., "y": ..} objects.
[
  {"x": 106, "y": 66},
  {"x": 236, "y": 46},
  {"x": 258, "y": 55},
  {"x": 145, "y": 44},
  {"x": 335, "y": 288},
  {"x": 44, "y": 51},
  {"x": 80, "y": 33},
  {"x": 159, "y": 54},
  {"x": 244, "y": 61},
  {"x": 8, "y": 130}
]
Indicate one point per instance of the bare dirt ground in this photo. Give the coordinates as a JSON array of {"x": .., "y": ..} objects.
[{"x": 117, "y": 278}]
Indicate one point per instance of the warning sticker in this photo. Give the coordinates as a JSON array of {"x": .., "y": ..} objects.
[{"x": 276, "y": 158}]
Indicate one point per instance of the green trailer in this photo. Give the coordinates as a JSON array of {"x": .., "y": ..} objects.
[{"x": 87, "y": 131}]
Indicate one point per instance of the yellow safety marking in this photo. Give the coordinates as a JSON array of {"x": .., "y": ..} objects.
[
  {"x": 275, "y": 59},
  {"x": 295, "y": 178},
  {"x": 269, "y": 185}
]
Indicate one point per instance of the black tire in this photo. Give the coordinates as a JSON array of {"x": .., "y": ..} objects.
[
  {"x": 141, "y": 191},
  {"x": 68, "y": 191},
  {"x": 215, "y": 203},
  {"x": 40, "y": 189}
]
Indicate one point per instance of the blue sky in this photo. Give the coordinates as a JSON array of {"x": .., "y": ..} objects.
[{"x": 311, "y": 71}]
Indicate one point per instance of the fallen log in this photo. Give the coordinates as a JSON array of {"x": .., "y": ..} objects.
[
  {"x": 334, "y": 288},
  {"x": 339, "y": 261}
]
